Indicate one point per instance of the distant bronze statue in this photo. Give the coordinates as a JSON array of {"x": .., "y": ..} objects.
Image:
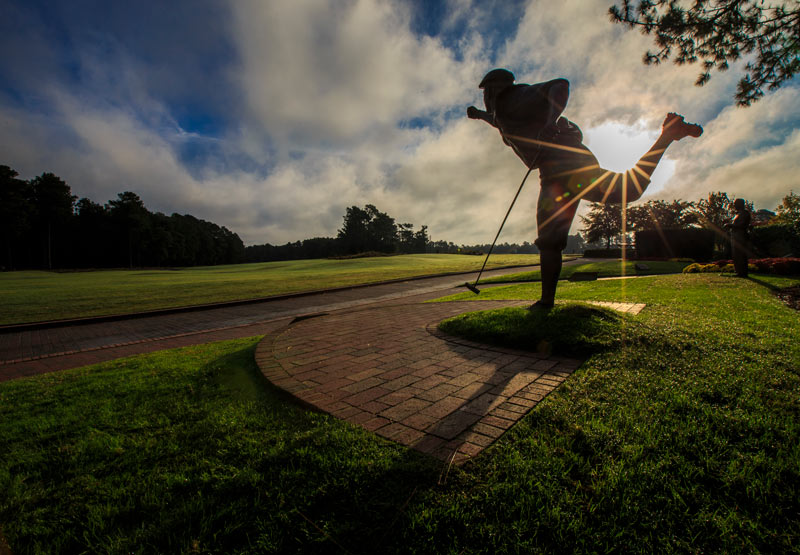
[
  {"x": 739, "y": 237},
  {"x": 530, "y": 122}
]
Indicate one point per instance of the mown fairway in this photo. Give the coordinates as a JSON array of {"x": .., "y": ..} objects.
[
  {"x": 678, "y": 434},
  {"x": 36, "y": 296}
]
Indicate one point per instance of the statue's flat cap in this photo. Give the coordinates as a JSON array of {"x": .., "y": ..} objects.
[{"x": 498, "y": 76}]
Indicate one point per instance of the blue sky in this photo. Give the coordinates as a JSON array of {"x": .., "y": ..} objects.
[{"x": 272, "y": 117}]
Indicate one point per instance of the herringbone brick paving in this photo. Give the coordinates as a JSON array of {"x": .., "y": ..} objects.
[{"x": 390, "y": 370}]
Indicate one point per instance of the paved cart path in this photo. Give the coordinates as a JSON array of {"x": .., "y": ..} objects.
[{"x": 28, "y": 352}]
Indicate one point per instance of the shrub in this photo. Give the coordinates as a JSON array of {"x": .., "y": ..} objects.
[
  {"x": 775, "y": 240},
  {"x": 695, "y": 268},
  {"x": 780, "y": 266},
  {"x": 697, "y": 244},
  {"x": 713, "y": 267}
]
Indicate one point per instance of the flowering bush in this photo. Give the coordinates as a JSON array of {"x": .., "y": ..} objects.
[
  {"x": 781, "y": 266},
  {"x": 713, "y": 267}
]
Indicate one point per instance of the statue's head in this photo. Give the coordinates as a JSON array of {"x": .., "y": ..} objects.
[
  {"x": 497, "y": 78},
  {"x": 494, "y": 83},
  {"x": 738, "y": 204}
]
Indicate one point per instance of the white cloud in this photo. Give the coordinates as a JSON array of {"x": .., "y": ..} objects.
[
  {"x": 338, "y": 82},
  {"x": 576, "y": 40},
  {"x": 746, "y": 152},
  {"x": 461, "y": 182},
  {"x": 764, "y": 177},
  {"x": 736, "y": 131},
  {"x": 334, "y": 74}
]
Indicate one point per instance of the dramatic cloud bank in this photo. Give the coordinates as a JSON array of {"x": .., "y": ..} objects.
[{"x": 272, "y": 117}]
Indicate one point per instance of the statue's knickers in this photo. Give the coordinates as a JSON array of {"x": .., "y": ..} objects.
[{"x": 562, "y": 190}]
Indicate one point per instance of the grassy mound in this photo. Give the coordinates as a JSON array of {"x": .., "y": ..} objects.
[{"x": 569, "y": 330}]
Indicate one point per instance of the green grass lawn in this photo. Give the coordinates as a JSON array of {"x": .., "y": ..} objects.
[
  {"x": 678, "y": 434},
  {"x": 606, "y": 268},
  {"x": 36, "y": 296}
]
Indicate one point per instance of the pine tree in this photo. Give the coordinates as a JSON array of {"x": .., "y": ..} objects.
[{"x": 719, "y": 32}]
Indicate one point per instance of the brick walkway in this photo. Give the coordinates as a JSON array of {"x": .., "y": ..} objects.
[{"x": 391, "y": 371}]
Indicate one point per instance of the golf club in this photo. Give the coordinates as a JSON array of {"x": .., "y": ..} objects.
[{"x": 474, "y": 286}]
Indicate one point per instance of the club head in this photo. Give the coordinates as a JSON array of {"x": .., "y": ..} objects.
[{"x": 472, "y": 288}]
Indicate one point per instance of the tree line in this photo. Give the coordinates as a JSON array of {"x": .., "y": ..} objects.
[
  {"x": 603, "y": 223},
  {"x": 44, "y": 226},
  {"x": 364, "y": 231},
  {"x": 368, "y": 231}
]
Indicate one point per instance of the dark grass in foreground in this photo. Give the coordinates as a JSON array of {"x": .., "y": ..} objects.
[
  {"x": 681, "y": 437},
  {"x": 190, "y": 451}
]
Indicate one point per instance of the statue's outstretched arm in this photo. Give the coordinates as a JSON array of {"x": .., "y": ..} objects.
[{"x": 475, "y": 113}]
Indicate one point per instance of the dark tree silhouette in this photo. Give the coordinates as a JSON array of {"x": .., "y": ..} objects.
[
  {"x": 381, "y": 229},
  {"x": 131, "y": 222},
  {"x": 92, "y": 235},
  {"x": 41, "y": 226},
  {"x": 405, "y": 238},
  {"x": 660, "y": 214},
  {"x": 716, "y": 210},
  {"x": 719, "y": 32},
  {"x": 16, "y": 213},
  {"x": 353, "y": 235},
  {"x": 367, "y": 230},
  {"x": 53, "y": 202},
  {"x": 716, "y": 213},
  {"x": 420, "y": 240},
  {"x": 603, "y": 222},
  {"x": 789, "y": 210}
]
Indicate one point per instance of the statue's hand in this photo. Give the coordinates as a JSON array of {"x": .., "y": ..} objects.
[{"x": 473, "y": 112}]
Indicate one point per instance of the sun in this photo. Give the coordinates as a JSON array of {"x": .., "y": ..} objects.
[{"x": 618, "y": 147}]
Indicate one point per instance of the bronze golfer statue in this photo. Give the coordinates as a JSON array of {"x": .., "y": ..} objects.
[{"x": 530, "y": 122}]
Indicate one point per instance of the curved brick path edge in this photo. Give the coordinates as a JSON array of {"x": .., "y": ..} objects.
[{"x": 390, "y": 371}]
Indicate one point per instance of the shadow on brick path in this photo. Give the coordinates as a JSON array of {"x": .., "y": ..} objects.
[{"x": 390, "y": 370}]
